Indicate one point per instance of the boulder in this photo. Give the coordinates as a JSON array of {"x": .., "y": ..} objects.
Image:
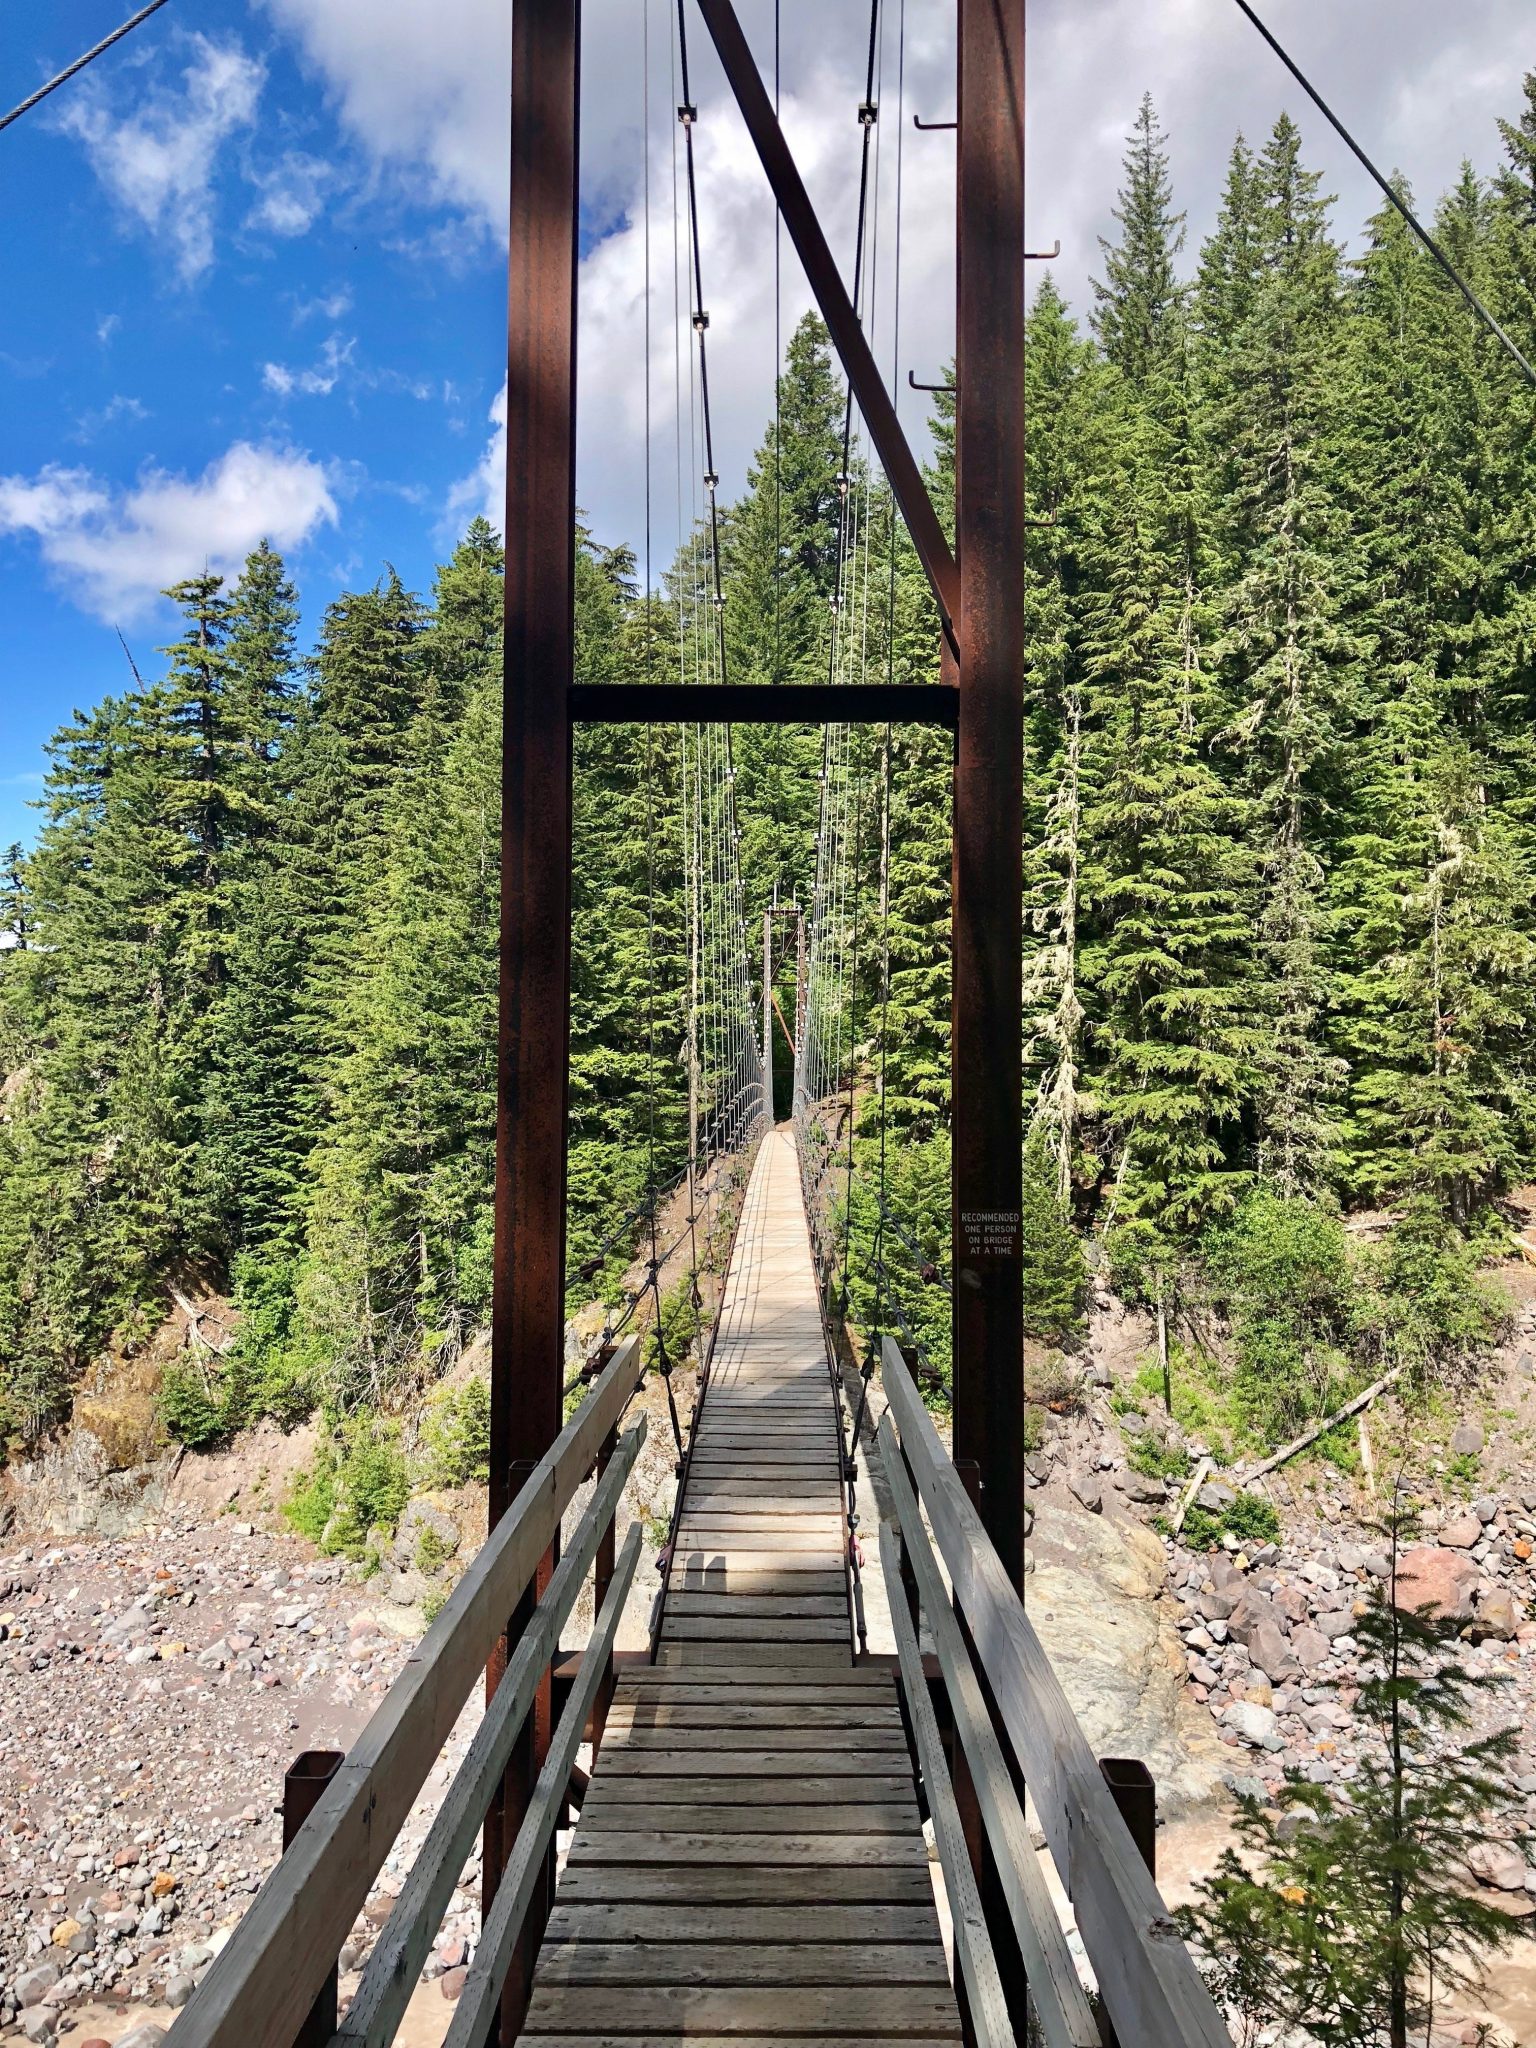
[
  {"x": 33, "y": 1986},
  {"x": 1443, "y": 1581},
  {"x": 1461, "y": 1532},
  {"x": 1495, "y": 1615},
  {"x": 1467, "y": 1440},
  {"x": 1499, "y": 1865},
  {"x": 1271, "y": 1653},
  {"x": 1093, "y": 1602},
  {"x": 1252, "y": 1724},
  {"x": 1086, "y": 1489},
  {"x": 1335, "y": 1624},
  {"x": 425, "y": 1537},
  {"x": 1311, "y": 1647}
]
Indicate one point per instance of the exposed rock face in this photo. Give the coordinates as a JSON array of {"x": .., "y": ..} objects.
[
  {"x": 1092, "y": 1599},
  {"x": 1439, "y": 1579}
]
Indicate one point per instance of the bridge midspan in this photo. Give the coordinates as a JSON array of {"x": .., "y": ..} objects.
[{"x": 749, "y": 1864}]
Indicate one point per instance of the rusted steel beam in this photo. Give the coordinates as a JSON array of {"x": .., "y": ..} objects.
[
  {"x": 765, "y": 703},
  {"x": 539, "y": 653},
  {"x": 826, "y": 283},
  {"x": 988, "y": 807},
  {"x": 303, "y": 1782}
]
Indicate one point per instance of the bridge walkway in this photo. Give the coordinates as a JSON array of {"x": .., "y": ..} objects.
[{"x": 749, "y": 1865}]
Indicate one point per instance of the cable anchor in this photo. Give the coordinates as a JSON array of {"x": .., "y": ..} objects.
[
  {"x": 687, "y": 114},
  {"x": 869, "y": 113}
]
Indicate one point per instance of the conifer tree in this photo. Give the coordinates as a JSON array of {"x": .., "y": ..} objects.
[{"x": 1139, "y": 298}]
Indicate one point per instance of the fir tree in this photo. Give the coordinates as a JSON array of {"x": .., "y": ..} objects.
[{"x": 1139, "y": 298}]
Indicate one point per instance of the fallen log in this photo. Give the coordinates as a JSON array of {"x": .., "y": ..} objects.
[{"x": 1322, "y": 1428}]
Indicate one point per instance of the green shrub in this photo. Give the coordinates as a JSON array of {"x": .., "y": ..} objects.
[
  {"x": 1252, "y": 1519},
  {"x": 1201, "y": 1530},
  {"x": 1155, "y": 1458},
  {"x": 358, "y": 1482},
  {"x": 456, "y": 1436},
  {"x": 192, "y": 1404},
  {"x": 1282, "y": 1268}
]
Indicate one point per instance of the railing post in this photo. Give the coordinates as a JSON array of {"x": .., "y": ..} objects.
[
  {"x": 1134, "y": 1791},
  {"x": 303, "y": 1782}
]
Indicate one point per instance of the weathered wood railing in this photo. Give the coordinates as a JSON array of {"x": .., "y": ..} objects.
[
  {"x": 261, "y": 1989},
  {"x": 1020, "y": 1723}
]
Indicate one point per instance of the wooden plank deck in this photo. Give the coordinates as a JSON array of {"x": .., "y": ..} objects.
[{"x": 749, "y": 1867}]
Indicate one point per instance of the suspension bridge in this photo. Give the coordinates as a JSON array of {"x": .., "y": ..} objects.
[{"x": 771, "y": 1824}]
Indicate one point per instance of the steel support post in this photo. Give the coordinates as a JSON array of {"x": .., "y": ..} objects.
[
  {"x": 768, "y": 1015},
  {"x": 304, "y": 1781},
  {"x": 988, "y": 803},
  {"x": 527, "y": 1305}
]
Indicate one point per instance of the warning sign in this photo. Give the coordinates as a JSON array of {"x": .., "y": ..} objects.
[{"x": 988, "y": 1234}]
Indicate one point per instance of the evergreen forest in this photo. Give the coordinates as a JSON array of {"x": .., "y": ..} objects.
[{"x": 1280, "y": 858}]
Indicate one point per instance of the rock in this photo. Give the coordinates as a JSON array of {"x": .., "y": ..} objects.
[
  {"x": 163, "y": 1885},
  {"x": 1461, "y": 1532},
  {"x": 1252, "y": 1723},
  {"x": 1039, "y": 1465},
  {"x": 33, "y": 1986},
  {"x": 1271, "y": 1653},
  {"x": 145, "y": 2035},
  {"x": 1311, "y": 1647},
  {"x": 1336, "y": 1624},
  {"x": 1485, "y": 1509},
  {"x": 1467, "y": 1440},
  {"x": 178, "y": 1990},
  {"x": 1441, "y": 1580},
  {"x": 37, "y": 2024},
  {"x": 1093, "y": 1603},
  {"x": 425, "y": 1537},
  {"x": 1148, "y": 1491},
  {"x": 289, "y": 1617},
  {"x": 1499, "y": 1865},
  {"x": 452, "y": 1982},
  {"x": 1086, "y": 1489},
  {"x": 1495, "y": 1615},
  {"x": 65, "y": 1933},
  {"x": 452, "y": 1949}
]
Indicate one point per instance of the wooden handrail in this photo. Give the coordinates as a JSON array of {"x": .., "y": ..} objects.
[
  {"x": 1151, "y": 1989},
  {"x": 1061, "y": 2004},
  {"x": 393, "y": 1968},
  {"x": 975, "y": 1961},
  {"x": 259, "y": 1989}
]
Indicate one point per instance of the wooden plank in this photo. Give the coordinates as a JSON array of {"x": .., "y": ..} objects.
[
  {"x": 812, "y": 1774},
  {"x": 710, "y": 1559},
  {"x": 707, "y": 1884},
  {"x": 803, "y": 1585},
  {"x": 713, "y": 1741},
  {"x": 1150, "y": 1985},
  {"x": 814, "y": 1714},
  {"x": 734, "y": 1606},
  {"x": 525, "y": 1867},
  {"x": 791, "y": 1965},
  {"x": 729, "y": 1924},
  {"x": 743, "y": 1848},
  {"x": 698, "y": 1655},
  {"x": 678, "y": 2012},
  {"x": 305, "y": 1910},
  {"x": 783, "y": 1679},
  {"x": 625, "y": 1817},
  {"x": 861, "y": 1787},
  {"x": 723, "y": 2040},
  {"x": 786, "y": 1630}
]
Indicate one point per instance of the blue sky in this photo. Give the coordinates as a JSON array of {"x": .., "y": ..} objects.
[{"x": 253, "y": 262}]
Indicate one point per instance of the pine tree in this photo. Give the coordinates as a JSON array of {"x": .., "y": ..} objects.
[{"x": 1139, "y": 299}]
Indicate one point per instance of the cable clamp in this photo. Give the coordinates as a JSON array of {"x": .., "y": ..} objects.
[
  {"x": 700, "y": 322},
  {"x": 687, "y": 114},
  {"x": 869, "y": 113},
  {"x": 711, "y": 480}
]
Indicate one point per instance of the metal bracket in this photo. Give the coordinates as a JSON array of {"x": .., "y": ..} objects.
[
  {"x": 912, "y": 380},
  {"x": 931, "y": 127},
  {"x": 1043, "y": 255}
]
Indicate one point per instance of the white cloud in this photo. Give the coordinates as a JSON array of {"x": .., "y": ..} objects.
[
  {"x": 112, "y": 551},
  {"x": 319, "y": 380},
  {"x": 117, "y": 407},
  {"x": 327, "y": 306},
  {"x": 292, "y": 194},
  {"x": 107, "y": 326},
  {"x": 483, "y": 491},
  {"x": 158, "y": 162},
  {"x": 423, "y": 91}
]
